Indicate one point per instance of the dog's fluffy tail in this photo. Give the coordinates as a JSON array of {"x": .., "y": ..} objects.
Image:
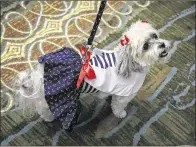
[{"x": 30, "y": 92}]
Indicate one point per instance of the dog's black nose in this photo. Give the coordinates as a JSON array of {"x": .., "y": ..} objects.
[{"x": 162, "y": 45}]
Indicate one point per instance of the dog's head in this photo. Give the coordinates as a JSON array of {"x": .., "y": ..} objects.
[
  {"x": 141, "y": 44},
  {"x": 145, "y": 45}
]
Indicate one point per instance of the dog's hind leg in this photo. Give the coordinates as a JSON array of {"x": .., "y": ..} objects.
[{"x": 30, "y": 92}]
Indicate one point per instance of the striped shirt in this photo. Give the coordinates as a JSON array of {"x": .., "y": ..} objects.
[
  {"x": 86, "y": 88},
  {"x": 104, "y": 60},
  {"x": 107, "y": 80}
]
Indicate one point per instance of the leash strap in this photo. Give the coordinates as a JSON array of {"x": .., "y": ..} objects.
[
  {"x": 97, "y": 21},
  {"x": 87, "y": 70}
]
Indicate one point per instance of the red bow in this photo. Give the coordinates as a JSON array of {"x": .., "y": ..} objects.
[
  {"x": 144, "y": 21},
  {"x": 86, "y": 69},
  {"x": 124, "y": 41}
]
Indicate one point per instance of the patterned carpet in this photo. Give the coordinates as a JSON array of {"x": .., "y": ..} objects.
[{"x": 163, "y": 112}]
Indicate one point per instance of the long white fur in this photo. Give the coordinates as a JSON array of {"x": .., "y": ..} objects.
[
  {"x": 130, "y": 58},
  {"x": 25, "y": 98}
]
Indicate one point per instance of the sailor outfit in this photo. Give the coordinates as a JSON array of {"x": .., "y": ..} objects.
[
  {"x": 61, "y": 72},
  {"x": 107, "y": 80}
]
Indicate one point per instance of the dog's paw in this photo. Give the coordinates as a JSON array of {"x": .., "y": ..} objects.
[{"x": 122, "y": 114}]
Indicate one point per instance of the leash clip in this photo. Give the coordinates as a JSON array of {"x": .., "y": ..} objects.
[{"x": 87, "y": 48}]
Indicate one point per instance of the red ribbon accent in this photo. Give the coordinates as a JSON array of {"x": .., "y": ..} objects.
[
  {"x": 86, "y": 69},
  {"x": 124, "y": 41},
  {"x": 144, "y": 21}
]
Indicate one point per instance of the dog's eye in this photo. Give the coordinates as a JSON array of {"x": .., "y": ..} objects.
[
  {"x": 154, "y": 36},
  {"x": 145, "y": 47}
]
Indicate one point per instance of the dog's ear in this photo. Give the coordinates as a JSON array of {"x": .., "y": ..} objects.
[{"x": 124, "y": 61}]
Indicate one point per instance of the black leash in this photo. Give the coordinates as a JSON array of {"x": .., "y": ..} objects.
[
  {"x": 86, "y": 69},
  {"x": 97, "y": 21}
]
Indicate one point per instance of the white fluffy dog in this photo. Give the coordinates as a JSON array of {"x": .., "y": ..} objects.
[{"x": 134, "y": 57}]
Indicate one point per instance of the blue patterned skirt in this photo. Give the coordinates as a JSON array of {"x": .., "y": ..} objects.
[{"x": 61, "y": 72}]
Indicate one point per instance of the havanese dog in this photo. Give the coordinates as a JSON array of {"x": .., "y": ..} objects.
[{"x": 120, "y": 73}]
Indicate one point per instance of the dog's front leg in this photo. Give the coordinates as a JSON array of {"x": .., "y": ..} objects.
[
  {"x": 119, "y": 103},
  {"x": 118, "y": 107}
]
